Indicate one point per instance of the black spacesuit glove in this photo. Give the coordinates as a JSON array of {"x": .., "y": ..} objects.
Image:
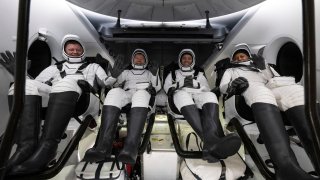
[
  {"x": 104, "y": 63},
  {"x": 118, "y": 67},
  {"x": 49, "y": 82},
  {"x": 258, "y": 61},
  {"x": 238, "y": 86},
  {"x": 8, "y": 60},
  {"x": 188, "y": 82},
  {"x": 153, "y": 67},
  {"x": 256, "y": 57},
  {"x": 151, "y": 90}
]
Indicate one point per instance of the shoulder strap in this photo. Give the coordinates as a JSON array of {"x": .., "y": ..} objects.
[
  {"x": 173, "y": 75},
  {"x": 83, "y": 66},
  {"x": 221, "y": 66},
  {"x": 63, "y": 73},
  {"x": 59, "y": 67},
  {"x": 195, "y": 74}
]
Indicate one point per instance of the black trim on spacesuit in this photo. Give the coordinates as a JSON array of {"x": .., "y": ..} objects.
[
  {"x": 172, "y": 67},
  {"x": 224, "y": 64},
  {"x": 63, "y": 72}
]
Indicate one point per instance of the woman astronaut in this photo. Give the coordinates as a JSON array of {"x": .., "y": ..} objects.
[
  {"x": 139, "y": 84},
  {"x": 190, "y": 92},
  {"x": 59, "y": 84},
  {"x": 261, "y": 92}
]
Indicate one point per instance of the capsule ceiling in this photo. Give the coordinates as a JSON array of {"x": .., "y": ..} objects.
[{"x": 165, "y": 10}]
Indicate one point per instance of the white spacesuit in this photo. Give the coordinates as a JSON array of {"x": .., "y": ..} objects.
[
  {"x": 266, "y": 92},
  {"x": 189, "y": 89},
  {"x": 58, "y": 86},
  {"x": 138, "y": 85},
  {"x": 285, "y": 95}
]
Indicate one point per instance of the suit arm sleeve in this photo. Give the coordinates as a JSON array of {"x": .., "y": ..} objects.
[
  {"x": 203, "y": 82},
  {"x": 225, "y": 81},
  {"x": 168, "y": 83},
  {"x": 156, "y": 83},
  {"x": 47, "y": 73}
]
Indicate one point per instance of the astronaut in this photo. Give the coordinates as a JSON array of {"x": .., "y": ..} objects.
[
  {"x": 139, "y": 85},
  {"x": 58, "y": 88},
  {"x": 190, "y": 91},
  {"x": 259, "y": 84}
]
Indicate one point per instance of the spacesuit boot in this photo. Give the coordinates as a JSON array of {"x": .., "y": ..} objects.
[
  {"x": 297, "y": 117},
  {"x": 61, "y": 107},
  {"x": 192, "y": 115},
  {"x": 103, "y": 146},
  {"x": 215, "y": 142},
  {"x": 28, "y": 130},
  {"x": 129, "y": 153},
  {"x": 215, "y": 145},
  {"x": 271, "y": 127}
]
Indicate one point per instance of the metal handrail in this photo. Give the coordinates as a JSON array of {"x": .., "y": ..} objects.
[
  {"x": 146, "y": 137},
  {"x": 309, "y": 51},
  {"x": 175, "y": 140},
  {"x": 19, "y": 85}
]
